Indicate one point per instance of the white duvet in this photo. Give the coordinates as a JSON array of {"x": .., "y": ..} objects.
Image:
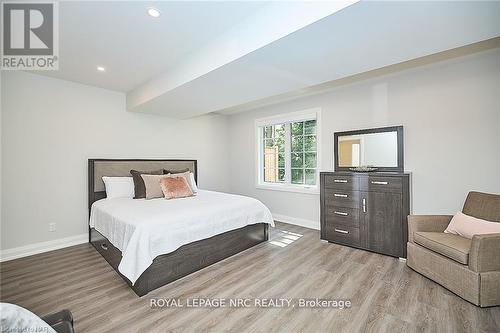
[{"x": 144, "y": 229}]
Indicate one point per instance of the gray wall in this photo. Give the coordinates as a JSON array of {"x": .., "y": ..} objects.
[
  {"x": 451, "y": 115},
  {"x": 51, "y": 127}
]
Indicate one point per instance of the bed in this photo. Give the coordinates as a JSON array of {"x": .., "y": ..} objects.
[{"x": 151, "y": 243}]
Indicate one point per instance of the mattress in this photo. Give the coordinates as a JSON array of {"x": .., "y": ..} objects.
[{"x": 144, "y": 229}]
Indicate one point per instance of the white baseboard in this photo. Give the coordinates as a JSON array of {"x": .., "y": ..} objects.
[
  {"x": 297, "y": 221},
  {"x": 28, "y": 250}
]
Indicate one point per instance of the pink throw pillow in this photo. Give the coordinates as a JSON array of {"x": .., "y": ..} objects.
[
  {"x": 468, "y": 226},
  {"x": 175, "y": 187}
]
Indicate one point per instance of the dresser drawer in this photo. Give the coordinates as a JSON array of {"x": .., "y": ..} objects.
[
  {"x": 342, "y": 215},
  {"x": 341, "y": 198},
  {"x": 342, "y": 182},
  {"x": 382, "y": 184},
  {"x": 341, "y": 234}
]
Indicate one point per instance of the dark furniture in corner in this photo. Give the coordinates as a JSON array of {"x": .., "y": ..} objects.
[
  {"x": 61, "y": 322},
  {"x": 186, "y": 259},
  {"x": 366, "y": 210}
]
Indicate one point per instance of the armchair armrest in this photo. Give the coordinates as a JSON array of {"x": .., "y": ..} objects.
[
  {"x": 430, "y": 223},
  {"x": 484, "y": 253},
  {"x": 54, "y": 318}
]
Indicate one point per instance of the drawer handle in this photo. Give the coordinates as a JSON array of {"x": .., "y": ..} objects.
[
  {"x": 379, "y": 183},
  {"x": 104, "y": 247},
  {"x": 341, "y": 213},
  {"x": 341, "y": 231},
  {"x": 340, "y": 195},
  {"x": 340, "y": 180}
]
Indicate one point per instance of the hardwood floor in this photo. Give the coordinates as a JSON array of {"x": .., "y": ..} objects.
[{"x": 386, "y": 295}]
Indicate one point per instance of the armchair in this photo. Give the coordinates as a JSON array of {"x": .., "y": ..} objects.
[{"x": 468, "y": 267}]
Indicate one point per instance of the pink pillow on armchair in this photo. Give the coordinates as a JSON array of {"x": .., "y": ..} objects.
[
  {"x": 468, "y": 226},
  {"x": 175, "y": 187}
]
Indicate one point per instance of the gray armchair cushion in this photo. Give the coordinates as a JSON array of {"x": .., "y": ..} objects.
[
  {"x": 452, "y": 246},
  {"x": 430, "y": 223},
  {"x": 483, "y": 206}
]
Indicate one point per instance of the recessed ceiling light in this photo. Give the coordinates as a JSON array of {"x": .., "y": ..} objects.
[
  {"x": 101, "y": 69},
  {"x": 153, "y": 12}
]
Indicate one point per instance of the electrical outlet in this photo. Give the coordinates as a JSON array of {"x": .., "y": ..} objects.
[{"x": 52, "y": 227}]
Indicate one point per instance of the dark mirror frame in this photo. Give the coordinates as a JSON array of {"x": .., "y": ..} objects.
[{"x": 398, "y": 129}]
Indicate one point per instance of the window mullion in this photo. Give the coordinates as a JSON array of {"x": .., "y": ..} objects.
[
  {"x": 288, "y": 155},
  {"x": 303, "y": 153},
  {"x": 261, "y": 157}
]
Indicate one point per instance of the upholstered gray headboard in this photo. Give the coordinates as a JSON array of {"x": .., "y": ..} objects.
[{"x": 121, "y": 167}]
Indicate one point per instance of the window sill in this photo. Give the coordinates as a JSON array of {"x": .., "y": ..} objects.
[{"x": 289, "y": 188}]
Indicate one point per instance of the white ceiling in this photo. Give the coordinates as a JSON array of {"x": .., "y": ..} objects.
[
  {"x": 202, "y": 57},
  {"x": 132, "y": 46},
  {"x": 365, "y": 36}
]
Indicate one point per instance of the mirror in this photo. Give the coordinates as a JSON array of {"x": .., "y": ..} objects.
[{"x": 381, "y": 148}]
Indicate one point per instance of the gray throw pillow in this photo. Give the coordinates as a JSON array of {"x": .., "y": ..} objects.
[
  {"x": 175, "y": 171},
  {"x": 139, "y": 187}
]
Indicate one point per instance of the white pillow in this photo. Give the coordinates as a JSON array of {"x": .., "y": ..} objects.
[
  {"x": 119, "y": 187},
  {"x": 468, "y": 226},
  {"x": 192, "y": 183},
  {"x": 17, "y": 319}
]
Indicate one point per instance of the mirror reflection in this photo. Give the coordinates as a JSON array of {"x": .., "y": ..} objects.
[{"x": 374, "y": 149}]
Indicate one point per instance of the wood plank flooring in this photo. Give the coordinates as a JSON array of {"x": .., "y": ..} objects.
[{"x": 386, "y": 295}]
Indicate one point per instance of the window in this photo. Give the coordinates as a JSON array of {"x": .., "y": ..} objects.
[
  {"x": 274, "y": 153},
  {"x": 303, "y": 152},
  {"x": 288, "y": 152}
]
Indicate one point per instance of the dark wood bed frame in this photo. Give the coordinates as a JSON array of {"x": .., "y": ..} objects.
[{"x": 186, "y": 259}]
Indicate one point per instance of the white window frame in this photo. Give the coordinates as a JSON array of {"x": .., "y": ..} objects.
[{"x": 303, "y": 115}]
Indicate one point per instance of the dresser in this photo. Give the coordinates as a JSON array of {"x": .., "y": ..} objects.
[{"x": 366, "y": 210}]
